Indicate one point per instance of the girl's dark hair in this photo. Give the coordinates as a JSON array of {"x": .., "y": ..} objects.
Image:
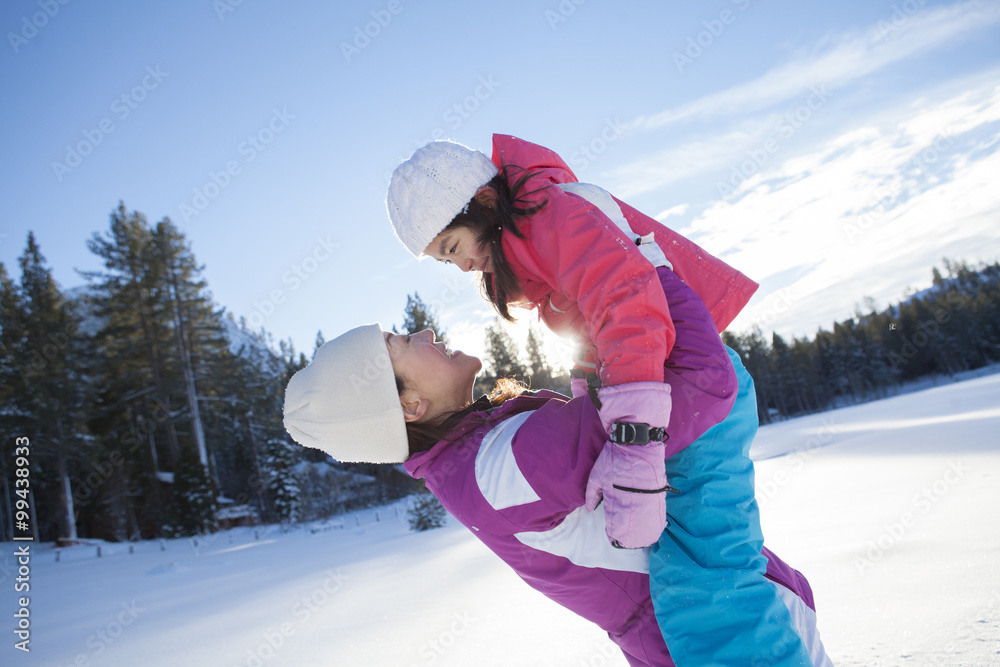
[
  {"x": 488, "y": 223},
  {"x": 423, "y": 436}
]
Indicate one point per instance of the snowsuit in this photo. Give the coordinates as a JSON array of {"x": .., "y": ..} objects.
[
  {"x": 646, "y": 324},
  {"x": 516, "y": 477},
  {"x": 586, "y": 280}
]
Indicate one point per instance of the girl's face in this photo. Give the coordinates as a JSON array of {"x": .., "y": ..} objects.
[
  {"x": 438, "y": 380},
  {"x": 458, "y": 246}
]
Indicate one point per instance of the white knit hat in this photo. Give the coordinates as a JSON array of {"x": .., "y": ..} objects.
[
  {"x": 346, "y": 403},
  {"x": 428, "y": 190}
]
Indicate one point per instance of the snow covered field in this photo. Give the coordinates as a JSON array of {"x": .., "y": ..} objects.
[{"x": 890, "y": 508}]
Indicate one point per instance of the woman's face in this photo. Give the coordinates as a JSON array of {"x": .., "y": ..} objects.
[
  {"x": 458, "y": 246},
  {"x": 438, "y": 380}
]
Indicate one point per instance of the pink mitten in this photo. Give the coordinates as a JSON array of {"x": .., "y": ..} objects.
[
  {"x": 632, "y": 482},
  {"x": 631, "y": 478}
]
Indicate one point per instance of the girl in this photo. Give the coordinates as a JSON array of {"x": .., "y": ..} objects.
[
  {"x": 513, "y": 469},
  {"x": 648, "y": 306}
]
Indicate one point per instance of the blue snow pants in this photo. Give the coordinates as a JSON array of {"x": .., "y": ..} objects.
[{"x": 711, "y": 599}]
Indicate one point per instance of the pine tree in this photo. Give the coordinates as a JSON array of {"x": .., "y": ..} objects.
[
  {"x": 418, "y": 316},
  {"x": 282, "y": 485},
  {"x": 134, "y": 338},
  {"x": 243, "y": 414},
  {"x": 780, "y": 362},
  {"x": 502, "y": 353},
  {"x": 950, "y": 327},
  {"x": 426, "y": 512},
  {"x": 193, "y": 508},
  {"x": 538, "y": 370},
  {"x": 194, "y": 323},
  {"x": 755, "y": 351},
  {"x": 809, "y": 395},
  {"x": 13, "y": 397},
  {"x": 54, "y": 382},
  {"x": 12, "y": 355},
  {"x": 160, "y": 337}
]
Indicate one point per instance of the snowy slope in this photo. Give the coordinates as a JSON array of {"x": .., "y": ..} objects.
[{"x": 889, "y": 508}]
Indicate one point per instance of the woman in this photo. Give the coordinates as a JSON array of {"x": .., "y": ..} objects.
[
  {"x": 647, "y": 306},
  {"x": 513, "y": 468}
]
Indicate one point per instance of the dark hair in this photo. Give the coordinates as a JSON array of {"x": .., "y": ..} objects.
[
  {"x": 488, "y": 224},
  {"x": 424, "y": 435}
]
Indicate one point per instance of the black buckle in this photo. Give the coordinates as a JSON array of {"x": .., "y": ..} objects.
[
  {"x": 593, "y": 383},
  {"x": 636, "y": 433}
]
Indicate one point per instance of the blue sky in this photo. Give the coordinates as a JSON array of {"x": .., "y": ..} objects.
[{"x": 831, "y": 151}]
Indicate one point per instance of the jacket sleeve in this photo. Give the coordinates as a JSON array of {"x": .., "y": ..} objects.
[
  {"x": 535, "y": 476},
  {"x": 580, "y": 254},
  {"x": 583, "y": 256}
]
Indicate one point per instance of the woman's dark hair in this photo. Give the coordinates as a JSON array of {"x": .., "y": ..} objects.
[
  {"x": 488, "y": 223},
  {"x": 423, "y": 436}
]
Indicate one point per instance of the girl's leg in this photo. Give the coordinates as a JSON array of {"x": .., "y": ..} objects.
[{"x": 713, "y": 602}]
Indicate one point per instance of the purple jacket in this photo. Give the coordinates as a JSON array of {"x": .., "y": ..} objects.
[{"x": 516, "y": 477}]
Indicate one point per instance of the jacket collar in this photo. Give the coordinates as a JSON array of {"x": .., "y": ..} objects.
[{"x": 418, "y": 464}]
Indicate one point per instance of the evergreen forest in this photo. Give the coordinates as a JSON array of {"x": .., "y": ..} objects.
[{"x": 151, "y": 412}]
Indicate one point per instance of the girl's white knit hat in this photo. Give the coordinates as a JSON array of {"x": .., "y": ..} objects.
[
  {"x": 345, "y": 402},
  {"x": 428, "y": 190}
]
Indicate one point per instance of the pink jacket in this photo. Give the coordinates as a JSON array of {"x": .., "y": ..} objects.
[
  {"x": 586, "y": 279},
  {"x": 516, "y": 477}
]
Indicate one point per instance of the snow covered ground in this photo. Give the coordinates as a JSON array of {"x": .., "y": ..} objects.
[{"x": 890, "y": 508}]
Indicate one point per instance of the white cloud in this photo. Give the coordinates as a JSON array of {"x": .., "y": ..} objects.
[
  {"x": 900, "y": 35},
  {"x": 866, "y": 213},
  {"x": 680, "y": 209},
  {"x": 744, "y": 119}
]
